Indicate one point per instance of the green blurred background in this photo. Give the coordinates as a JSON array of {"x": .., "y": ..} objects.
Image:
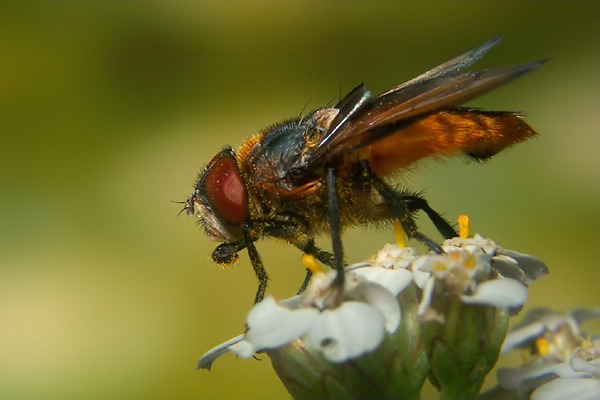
[{"x": 109, "y": 109}]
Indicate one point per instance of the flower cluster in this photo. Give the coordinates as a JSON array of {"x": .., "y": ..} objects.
[
  {"x": 357, "y": 326},
  {"x": 399, "y": 319},
  {"x": 563, "y": 363}
]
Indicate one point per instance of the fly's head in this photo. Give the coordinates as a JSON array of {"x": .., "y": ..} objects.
[{"x": 220, "y": 199}]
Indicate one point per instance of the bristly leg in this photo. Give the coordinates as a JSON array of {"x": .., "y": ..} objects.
[
  {"x": 416, "y": 202},
  {"x": 404, "y": 205},
  {"x": 305, "y": 282},
  {"x": 335, "y": 225},
  {"x": 257, "y": 264},
  {"x": 226, "y": 253},
  {"x": 293, "y": 230}
]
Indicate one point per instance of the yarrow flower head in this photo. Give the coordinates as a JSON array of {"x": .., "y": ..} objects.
[
  {"x": 562, "y": 362},
  {"x": 400, "y": 318},
  {"x": 341, "y": 333},
  {"x": 465, "y": 306},
  {"x": 319, "y": 346}
]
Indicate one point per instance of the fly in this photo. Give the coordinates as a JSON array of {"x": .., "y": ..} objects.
[{"x": 331, "y": 169}]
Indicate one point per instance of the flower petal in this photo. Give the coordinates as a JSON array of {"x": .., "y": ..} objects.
[
  {"x": 393, "y": 257},
  {"x": 533, "y": 268},
  {"x": 421, "y": 278},
  {"x": 207, "y": 359},
  {"x": 513, "y": 378},
  {"x": 385, "y": 302},
  {"x": 394, "y": 280},
  {"x": 347, "y": 332},
  {"x": 568, "y": 389},
  {"x": 582, "y": 366},
  {"x": 243, "y": 348},
  {"x": 500, "y": 293},
  {"x": 520, "y": 335},
  {"x": 426, "y": 297},
  {"x": 509, "y": 268},
  {"x": 271, "y": 325}
]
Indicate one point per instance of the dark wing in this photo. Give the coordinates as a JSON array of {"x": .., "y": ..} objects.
[
  {"x": 463, "y": 61},
  {"x": 363, "y": 120},
  {"x": 348, "y": 107}
]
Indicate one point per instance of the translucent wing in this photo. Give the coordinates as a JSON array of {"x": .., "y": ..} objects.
[{"x": 363, "y": 120}]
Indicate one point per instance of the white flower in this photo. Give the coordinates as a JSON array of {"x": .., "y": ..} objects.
[
  {"x": 344, "y": 324},
  {"x": 355, "y": 327},
  {"x": 466, "y": 273},
  {"x": 389, "y": 268},
  {"x": 568, "y": 389},
  {"x": 563, "y": 366},
  {"x": 564, "y": 378},
  {"x": 548, "y": 324},
  {"x": 508, "y": 263},
  {"x": 523, "y": 267},
  {"x": 271, "y": 325},
  {"x": 500, "y": 293},
  {"x": 456, "y": 261},
  {"x": 475, "y": 244},
  {"x": 534, "y": 326},
  {"x": 393, "y": 257},
  {"x": 347, "y": 332},
  {"x": 207, "y": 359},
  {"x": 469, "y": 268}
]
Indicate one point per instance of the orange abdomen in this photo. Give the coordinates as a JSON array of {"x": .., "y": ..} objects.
[{"x": 477, "y": 134}]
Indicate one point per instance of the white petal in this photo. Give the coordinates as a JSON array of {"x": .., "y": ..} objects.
[
  {"x": 356, "y": 266},
  {"x": 421, "y": 278},
  {"x": 521, "y": 335},
  {"x": 421, "y": 270},
  {"x": 511, "y": 378},
  {"x": 314, "y": 296},
  {"x": 207, "y": 359},
  {"x": 243, "y": 348},
  {"x": 426, "y": 297},
  {"x": 291, "y": 303},
  {"x": 270, "y": 325},
  {"x": 385, "y": 302},
  {"x": 509, "y": 268},
  {"x": 568, "y": 389},
  {"x": 500, "y": 293},
  {"x": 582, "y": 366},
  {"x": 393, "y": 257},
  {"x": 394, "y": 280},
  {"x": 531, "y": 266},
  {"x": 583, "y": 315},
  {"x": 347, "y": 332}
]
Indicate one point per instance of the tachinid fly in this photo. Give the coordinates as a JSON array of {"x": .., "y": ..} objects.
[{"x": 329, "y": 169}]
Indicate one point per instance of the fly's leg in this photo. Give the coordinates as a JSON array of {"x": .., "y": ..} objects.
[
  {"x": 305, "y": 282},
  {"x": 416, "y": 202},
  {"x": 257, "y": 265},
  {"x": 291, "y": 229},
  {"x": 404, "y": 205},
  {"x": 227, "y": 253},
  {"x": 335, "y": 226},
  {"x": 294, "y": 230}
]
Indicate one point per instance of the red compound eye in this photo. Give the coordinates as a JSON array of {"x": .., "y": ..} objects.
[{"x": 225, "y": 190}]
